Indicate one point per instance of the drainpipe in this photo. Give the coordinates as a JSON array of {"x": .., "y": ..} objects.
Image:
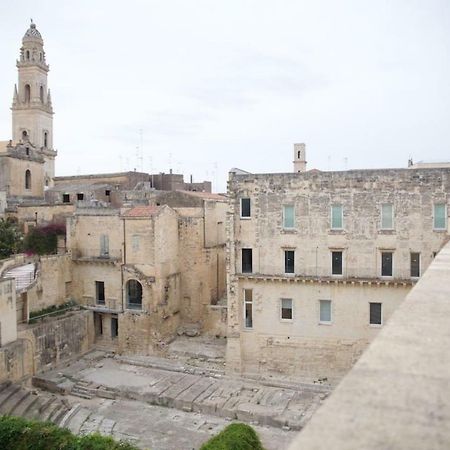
[{"x": 124, "y": 261}]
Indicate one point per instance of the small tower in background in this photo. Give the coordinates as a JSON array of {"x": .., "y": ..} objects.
[{"x": 299, "y": 158}]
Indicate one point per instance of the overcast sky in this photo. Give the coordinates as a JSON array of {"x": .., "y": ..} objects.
[{"x": 234, "y": 83}]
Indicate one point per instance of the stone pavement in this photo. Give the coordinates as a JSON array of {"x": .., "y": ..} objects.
[{"x": 166, "y": 383}]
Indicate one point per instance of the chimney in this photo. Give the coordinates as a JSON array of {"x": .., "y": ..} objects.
[{"x": 299, "y": 158}]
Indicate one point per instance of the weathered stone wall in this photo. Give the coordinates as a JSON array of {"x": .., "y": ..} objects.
[
  {"x": 26, "y": 213},
  {"x": 8, "y": 323},
  {"x": 52, "y": 286},
  {"x": 303, "y": 345},
  {"x": 46, "y": 344}
]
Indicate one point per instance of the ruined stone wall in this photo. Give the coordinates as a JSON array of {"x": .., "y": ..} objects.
[
  {"x": 8, "y": 323},
  {"x": 44, "y": 345},
  {"x": 53, "y": 282},
  {"x": 303, "y": 345}
]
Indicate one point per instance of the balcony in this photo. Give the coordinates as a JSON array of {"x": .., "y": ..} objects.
[
  {"x": 110, "y": 305},
  {"x": 109, "y": 256}
]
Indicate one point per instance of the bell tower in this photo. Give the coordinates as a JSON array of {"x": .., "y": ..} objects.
[{"x": 32, "y": 111}]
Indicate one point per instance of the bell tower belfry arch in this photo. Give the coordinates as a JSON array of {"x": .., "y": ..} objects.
[{"x": 32, "y": 110}]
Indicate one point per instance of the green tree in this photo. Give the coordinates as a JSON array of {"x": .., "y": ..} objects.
[{"x": 10, "y": 238}]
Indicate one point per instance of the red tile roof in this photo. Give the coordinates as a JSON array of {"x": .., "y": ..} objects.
[{"x": 142, "y": 211}]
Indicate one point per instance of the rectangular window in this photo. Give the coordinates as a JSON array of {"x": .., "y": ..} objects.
[
  {"x": 104, "y": 245},
  {"x": 336, "y": 263},
  {"x": 66, "y": 198},
  {"x": 100, "y": 292},
  {"x": 337, "y": 217},
  {"x": 245, "y": 207},
  {"x": 289, "y": 257},
  {"x": 135, "y": 242},
  {"x": 80, "y": 196},
  {"x": 415, "y": 265},
  {"x": 386, "y": 264},
  {"x": 325, "y": 311},
  {"x": 107, "y": 192},
  {"x": 288, "y": 216},
  {"x": 248, "y": 308},
  {"x": 247, "y": 263},
  {"x": 375, "y": 317},
  {"x": 440, "y": 219},
  {"x": 387, "y": 216},
  {"x": 286, "y": 309}
]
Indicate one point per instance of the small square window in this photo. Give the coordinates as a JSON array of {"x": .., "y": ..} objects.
[
  {"x": 337, "y": 221},
  {"x": 387, "y": 216},
  {"x": 386, "y": 264},
  {"x": 245, "y": 208},
  {"x": 289, "y": 261},
  {"x": 286, "y": 309},
  {"x": 66, "y": 198},
  {"x": 375, "y": 317},
  {"x": 247, "y": 260},
  {"x": 336, "y": 263},
  {"x": 107, "y": 192},
  {"x": 440, "y": 216},
  {"x": 288, "y": 216},
  {"x": 415, "y": 265},
  {"x": 80, "y": 196},
  {"x": 325, "y": 311},
  {"x": 248, "y": 308}
]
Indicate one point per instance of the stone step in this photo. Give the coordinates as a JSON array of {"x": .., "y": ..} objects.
[
  {"x": 23, "y": 408},
  {"x": 77, "y": 420},
  {"x": 6, "y": 394},
  {"x": 13, "y": 401},
  {"x": 50, "y": 408}
]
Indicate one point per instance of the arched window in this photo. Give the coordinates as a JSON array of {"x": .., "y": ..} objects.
[
  {"x": 27, "y": 179},
  {"x": 28, "y": 54},
  {"x": 24, "y": 135},
  {"x": 298, "y": 155},
  {"x": 40, "y": 56},
  {"x": 45, "y": 139},
  {"x": 27, "y": 92},
  {"x": 41, "y": 94},
  {"x": 134, "y": 294}
]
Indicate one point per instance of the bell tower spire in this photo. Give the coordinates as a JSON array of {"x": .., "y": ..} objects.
[{"x": 32, "y": 110}]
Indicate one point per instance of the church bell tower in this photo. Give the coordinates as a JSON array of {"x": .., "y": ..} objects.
[{"x": 32, "y": 111}]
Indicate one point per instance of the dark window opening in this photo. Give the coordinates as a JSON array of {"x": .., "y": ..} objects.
[
  {"x": 28, "y": 54},
  {"x": 24, "y": 134},
  {"x": 289, "y": 257},
  {"x": 298, "y": 155},
  {"x": 100, "y": 292},
  {"x": 245, "y": 207},
  {"x": 45, "y": 139},
  {"x": 66, "y": 198},
  {"x": 375, "y": 314},
  {"x": 134, "y": 294},
  {"x": 27, "y": 92},
  {"x": 108, "y": 192},
  {"x": 27, "y": 179},
  {"x": 248, "y": 308},
  {"x": 27, "y": 151},
  {"x": 41, "y": 94},
  {"x": 80, "y": 196},
  {"x": 386, "y": 264},
  {"x": 247, "y": 263},
  {"x": 114, "y": 327},
  {"x": 336, "y": 263},
  {"x": 415, "y": 265},
  {"x": 286, "y": 308}
]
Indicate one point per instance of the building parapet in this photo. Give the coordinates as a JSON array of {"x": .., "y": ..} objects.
[{"x": 97, "y": 255}]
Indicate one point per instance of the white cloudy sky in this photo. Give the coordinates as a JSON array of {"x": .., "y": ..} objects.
[{"x": 220, "y": 84}]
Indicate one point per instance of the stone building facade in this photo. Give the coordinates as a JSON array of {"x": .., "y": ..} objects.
[
  {"x": 318, "y": 261},
  {"x": 145, "y": 271}
]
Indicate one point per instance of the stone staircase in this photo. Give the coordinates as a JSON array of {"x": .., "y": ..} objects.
[{"x": 16, "y": 400}]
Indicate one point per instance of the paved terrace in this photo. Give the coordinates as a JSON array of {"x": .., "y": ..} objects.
[
  {"x": 397, "y": 396},
  {"x": 166, "y": 383}
]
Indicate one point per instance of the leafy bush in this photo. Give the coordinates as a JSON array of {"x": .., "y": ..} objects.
[
  {"x": 43, "y": 240},
  {"x": 10, "y": 238},
  {"x": 237, "y": 436},
  {"x": 17, "y": 433}
]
